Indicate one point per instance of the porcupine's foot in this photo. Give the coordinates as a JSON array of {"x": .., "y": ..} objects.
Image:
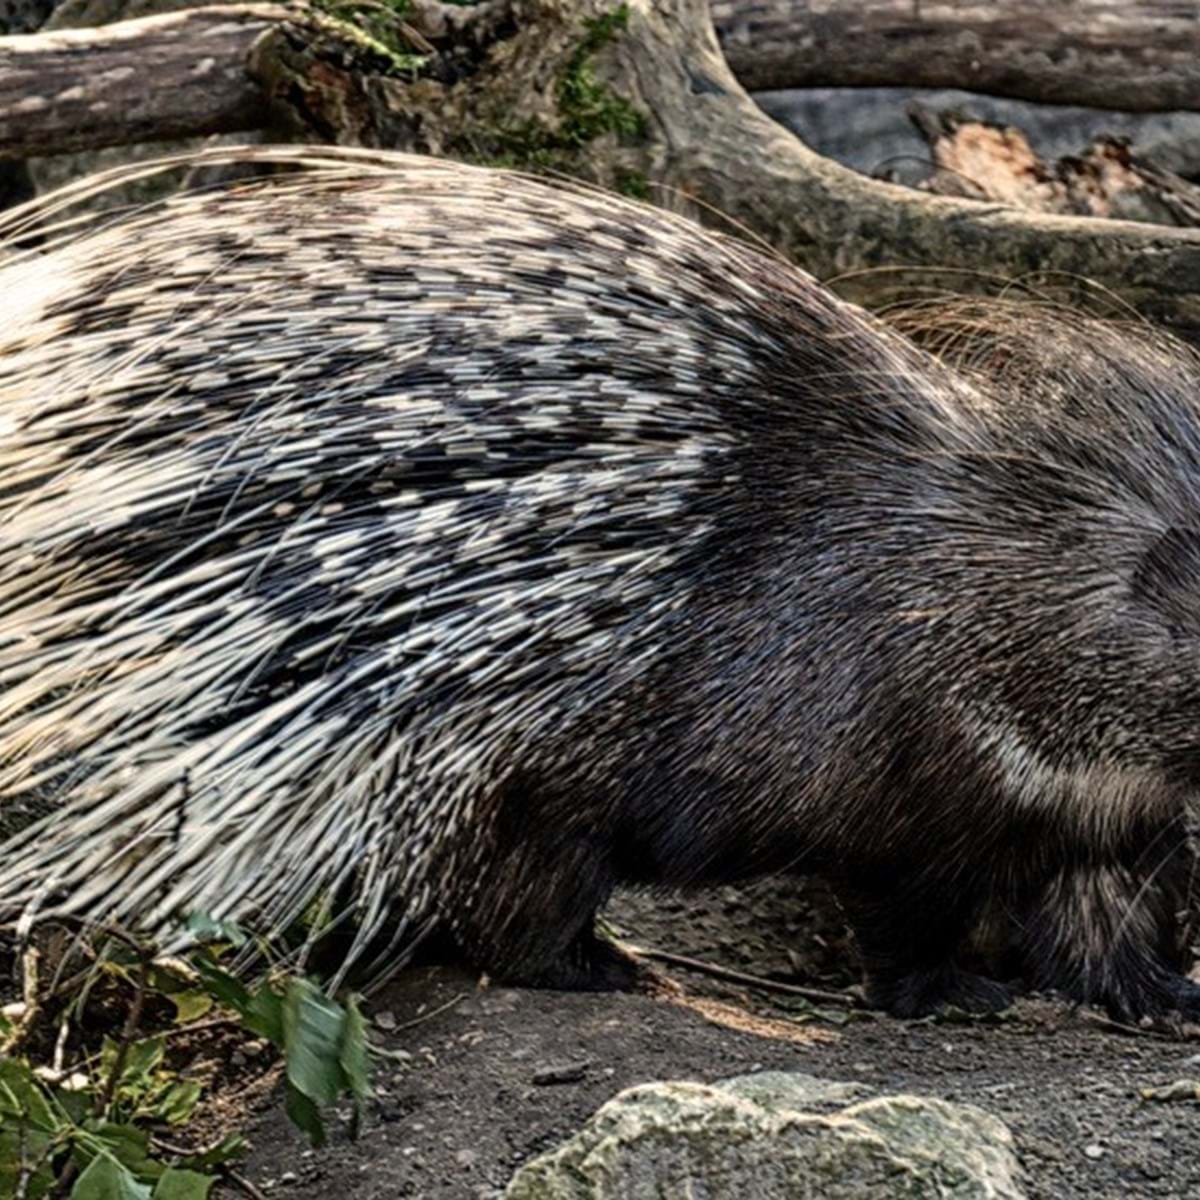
[
  {"x": 1129, "y": 995},
  {"x": 1184, "y": 997},
  {"x": 909, "y": 932},
  {"x": 594, "y": 963},
  {"x": 1106, "y": 935},
  {"x": 921, "y": 993}
]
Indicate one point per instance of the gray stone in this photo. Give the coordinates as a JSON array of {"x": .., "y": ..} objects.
[
  {"x": 797, "y": 1091},
  {"x": 758, "y": 1136}
]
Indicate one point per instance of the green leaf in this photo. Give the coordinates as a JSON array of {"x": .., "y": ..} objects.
[
  {"x": 264, "y": 1015},
  {"x": 143, "y": 1057},
  {"x": 182, "y": 1185},
  {"x": 19, "y": 1149},
  {"x": 127, "y": 1145},
  {"x": 305, "y": 1115},
  {"x": 190, "y": 1004},
  {"x": 352, "y": 1054},
  {"x": 210, "y": 929},
  {"x": 23, "y": 1098},
  {"x": 141, "y": 1060},
  {"x": 177, "y": 1102},
  {"x": 223, "y": 986},
  {"x": 106, "y": 1179},
  {"x": 76, "y": 1103},
  {"x": 312, "y": 1029}
]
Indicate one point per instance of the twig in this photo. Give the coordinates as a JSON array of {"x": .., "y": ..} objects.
[
  {"x": 207, "y": 1023},
  {"x": 1104, "y": 1022},
  {"x": 29, "y": 999},
  {"x": 227, "y": 1172},
  {"x": 198, "y": 1026},
  {"x": 27, "y": 1167},
  {"x": 1156, "y": 1032},
  {"x": 242, "y": 1183},
  {"x": 104, "y": 1097},
  {"x": 60, "y": 1043},
  {"x": 132, "y": 1020},
  {"x": 844, "y": 999},
  {"x": 30, "y": 1167},
  {"x": 433, "y": 1012}
]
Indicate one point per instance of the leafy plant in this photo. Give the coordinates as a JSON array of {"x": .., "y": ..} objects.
[
  {"x": 52, "y": 1137},
  {"x": 323, "y": 1042},
  {"x": 97, "y": 1130}
]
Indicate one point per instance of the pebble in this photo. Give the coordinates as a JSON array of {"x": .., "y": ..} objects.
[{"x": 1092, "y": 1150}]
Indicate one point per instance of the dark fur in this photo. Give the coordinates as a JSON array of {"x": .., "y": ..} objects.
[{"x": 927, "y": 628}]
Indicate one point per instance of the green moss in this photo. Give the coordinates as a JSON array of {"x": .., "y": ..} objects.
[
  {"x": 587, "y": 109},
  {"x": 634, "y": 184},
  {"x": 378, "y": 26}
]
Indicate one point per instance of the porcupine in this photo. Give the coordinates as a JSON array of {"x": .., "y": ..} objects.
[{"x": 465, "y": 546}]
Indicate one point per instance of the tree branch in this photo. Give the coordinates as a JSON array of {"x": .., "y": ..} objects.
[
  {"x": 714, "y": 144},
  {"x": 159, "y": 77},
  {"x": 1134, "y": 55}
]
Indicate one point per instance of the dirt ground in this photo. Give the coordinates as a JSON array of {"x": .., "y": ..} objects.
[{"x": 488, "y": 1078}]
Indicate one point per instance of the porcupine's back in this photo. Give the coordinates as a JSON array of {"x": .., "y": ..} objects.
[{"x": 329, "y": 498}]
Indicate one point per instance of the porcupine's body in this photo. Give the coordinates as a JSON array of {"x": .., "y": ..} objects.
[{"x": 467, "y": 547}]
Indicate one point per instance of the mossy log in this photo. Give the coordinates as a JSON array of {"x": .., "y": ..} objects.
[{"x": 637, "y": 97}]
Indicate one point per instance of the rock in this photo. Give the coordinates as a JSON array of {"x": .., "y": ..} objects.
[
  {"x": 796, "y": 1091},
  {"x": 757, "y": 1135}
]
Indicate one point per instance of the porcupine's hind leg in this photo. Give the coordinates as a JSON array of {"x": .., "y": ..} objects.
[
  {"x": 1104, "y": 931},
  {"x": 909, "y": 930},
  {"x": 527, "y": 915},
  {"x": 544, "y": 935}
]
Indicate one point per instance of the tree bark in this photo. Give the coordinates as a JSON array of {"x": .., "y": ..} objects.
[
  {"x": 649, "y": 106},
  {"x": 719, "y": 148},
  {"x": 1133, "y": 55},
  {"x": 158, "y": 77},
  {"x": 985, "y": 161}
]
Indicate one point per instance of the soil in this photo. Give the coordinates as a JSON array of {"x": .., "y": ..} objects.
[{"x": 485, "y": 1078}]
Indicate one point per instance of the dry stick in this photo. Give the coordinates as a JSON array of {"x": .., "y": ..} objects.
[
  {"x": 104, "y": 1097},
  {"x": 845, "y": 999},
  {"x": 29, "y": 997},
  {"x": 433, "y": 1012},
  {"x": 242, "y": 1183},
  {"x": 132, "y": 1020},
  {"x": 195, "y": 1027},
  {"x": 30, "y": 1167},
  {"x": 1160, "y": 1034},
  {"x": 1102, "y": 1022},
  {"x": 239, "y": 1181},
  {"x": 201, "y": 1025}
]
